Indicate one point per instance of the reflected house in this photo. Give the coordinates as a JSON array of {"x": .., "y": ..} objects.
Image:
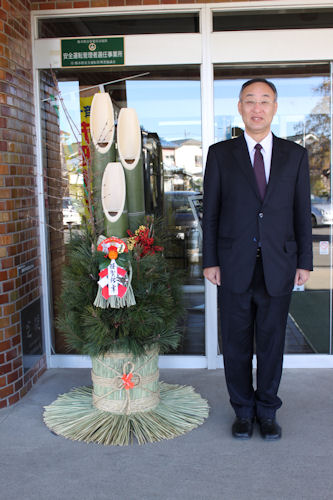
[
  {"x": 71, "y": 168},
  {"x": 175, "y": 178},
  {"x": 304, "y": 139},
  {"x": 168, "y": 153},
  {"x": 182, "y": 159}
]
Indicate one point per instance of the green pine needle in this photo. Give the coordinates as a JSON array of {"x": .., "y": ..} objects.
[{"x": 151, "y": 322}]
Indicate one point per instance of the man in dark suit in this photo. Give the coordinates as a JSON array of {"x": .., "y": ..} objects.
[{"x": 257, "y": 244}]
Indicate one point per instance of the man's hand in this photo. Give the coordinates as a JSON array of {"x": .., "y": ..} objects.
[
  {"x": 213, "y": 274},
  {"x": 301, "y": 276}
]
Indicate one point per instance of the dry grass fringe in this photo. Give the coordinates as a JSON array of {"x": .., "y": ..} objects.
[{"x": 73, "y": 416}]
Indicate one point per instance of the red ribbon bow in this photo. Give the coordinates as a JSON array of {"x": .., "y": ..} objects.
[{"x": 127, "y": 379}]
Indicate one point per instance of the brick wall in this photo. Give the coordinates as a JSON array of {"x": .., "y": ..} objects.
[
  {"x": 19, "y": 241},
  {"x": 77, "y": 4}
]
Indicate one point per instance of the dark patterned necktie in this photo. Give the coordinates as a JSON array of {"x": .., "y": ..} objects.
[{"x": 259, "y": 170}]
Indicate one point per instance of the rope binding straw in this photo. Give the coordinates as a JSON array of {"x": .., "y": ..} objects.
[{"x": 129, "y": 379}]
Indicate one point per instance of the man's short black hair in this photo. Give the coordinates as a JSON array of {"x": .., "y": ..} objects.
[{"x": 259, "y": 80}]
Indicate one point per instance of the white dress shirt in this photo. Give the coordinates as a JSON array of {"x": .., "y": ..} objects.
[{"x": 266, "y": 151}]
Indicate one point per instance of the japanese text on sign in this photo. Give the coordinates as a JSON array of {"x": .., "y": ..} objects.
[{"x": 92, "y": 51}]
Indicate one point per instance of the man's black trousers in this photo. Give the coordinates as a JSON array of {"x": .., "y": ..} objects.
[{"x": 253, "y": 316}]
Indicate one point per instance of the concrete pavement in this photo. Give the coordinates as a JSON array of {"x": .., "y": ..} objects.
[{"x": 205, "y": 464}]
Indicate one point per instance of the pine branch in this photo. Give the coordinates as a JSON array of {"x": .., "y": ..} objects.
[{"x": 94, "y": 331}]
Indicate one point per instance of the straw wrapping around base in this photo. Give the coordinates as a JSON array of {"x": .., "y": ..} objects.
[
  {"x": 124, "y": 384},
  {"x": 73, "y": 416}
]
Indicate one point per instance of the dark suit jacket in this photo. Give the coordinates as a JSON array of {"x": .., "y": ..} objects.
[{"x": 235, "y": 218}]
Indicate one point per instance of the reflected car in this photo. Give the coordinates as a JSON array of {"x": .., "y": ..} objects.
[
  {"x": 70, "y": 212},
  {"x": 183, "y": 211},
  {"x": 321, "y": 211},
  {"x": 178, "y": 210}
]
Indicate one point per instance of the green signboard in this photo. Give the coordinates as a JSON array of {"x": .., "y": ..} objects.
[{"x": 96, "y": 51}]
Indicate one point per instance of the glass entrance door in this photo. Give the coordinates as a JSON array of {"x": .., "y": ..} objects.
[
  {"x": 304, "y": 117},
  {"x": 168, "y": 104}
]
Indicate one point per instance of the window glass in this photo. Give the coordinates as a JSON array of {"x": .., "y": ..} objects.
[
  {"x": 167, "y": 102},
  {"x": 303, "y": 116},
  {"x": 273, "y": 19},
  {"x": 86, "y": 26}
]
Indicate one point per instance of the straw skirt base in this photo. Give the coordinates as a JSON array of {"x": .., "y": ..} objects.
[{"x": 73, "y": 416}]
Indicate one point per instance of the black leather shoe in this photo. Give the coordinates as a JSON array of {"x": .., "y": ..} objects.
[
  {"x": 269, "y": 429},
  {"x": 242, "y": 428}
]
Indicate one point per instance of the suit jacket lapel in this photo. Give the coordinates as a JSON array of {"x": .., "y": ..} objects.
[{"x": 241, "y": 153}]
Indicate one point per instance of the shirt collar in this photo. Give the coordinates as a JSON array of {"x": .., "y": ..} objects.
[{"x": 266, "y": 143}]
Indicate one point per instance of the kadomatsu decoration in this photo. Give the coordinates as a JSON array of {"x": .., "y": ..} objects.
[
  {"x": 120, "y": 304},
  {"x": 127, "y": 399}
]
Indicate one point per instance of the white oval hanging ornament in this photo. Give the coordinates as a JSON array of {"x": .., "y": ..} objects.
[
  {"x": 102, "y": 122},
  {"x": 128, "y": 138},
  {"x": 113, "y": 191}
]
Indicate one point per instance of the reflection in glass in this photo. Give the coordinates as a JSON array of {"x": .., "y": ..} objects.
[
  {"x": 272, "y": 19},
  {"x": 118, "y": 25},
  {"x": 303, "y": 116},
  {"x": 167, "y": 102}
]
